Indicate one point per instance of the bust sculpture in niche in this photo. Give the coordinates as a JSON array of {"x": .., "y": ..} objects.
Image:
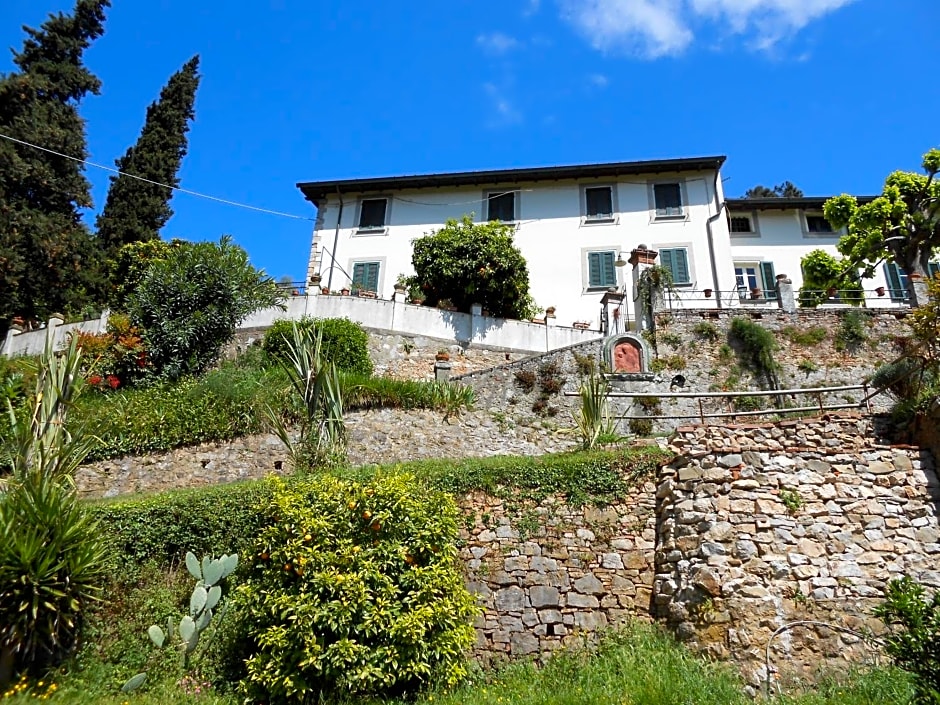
[{"x": 627, "y": 356}]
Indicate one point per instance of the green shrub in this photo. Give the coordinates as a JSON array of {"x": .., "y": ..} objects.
[
  {"x": 161, "y": 528},
  {"x": 706, "y": 331},
  {"x": 223, "y": 404},
  {"x": 345, "y": 343},
  {"x": 356, "y": 589},
  {"x": 807, "y": 337},
  {"x": 851, "y": 333},
  {"x": 190, "y": 303},
  {"x": 474, "y": 263},
  {"x": 914, "y": 643},
  {"x": 755, "y": 346}
]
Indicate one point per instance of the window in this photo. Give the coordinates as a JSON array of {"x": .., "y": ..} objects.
[
  {"x": 602, "y": 274},
  {"x": 598, "y": 203},
  {"x": 741, "y": 224},
  {"x": 501, "y": 205},
  {"x": 817, "y": 224},
  {"x": 897, "y": 279},
  {"x": 676, "y": 260},
  {"x": 755, "y": 275},
  {"x": 366, "y": 276},
  {"x": 667, "y": 199},
  {"x": 372, "y": 213}
]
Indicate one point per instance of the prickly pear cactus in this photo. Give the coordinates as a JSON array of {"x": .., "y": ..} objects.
[{"x": 204, "y": 599}]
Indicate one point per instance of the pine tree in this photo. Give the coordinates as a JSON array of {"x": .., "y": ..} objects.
[
  {"x": 44, "y": 247},
  {"x": 135, "y": 210}
]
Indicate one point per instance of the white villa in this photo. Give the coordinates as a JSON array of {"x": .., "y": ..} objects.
[{"x": 577, "y": 225}]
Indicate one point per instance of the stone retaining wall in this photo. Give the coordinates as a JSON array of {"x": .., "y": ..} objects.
[
  {"x": 573, "y": 572},
  {"x": 764, "y": 525},
  {"x": 705, "y": 364}
]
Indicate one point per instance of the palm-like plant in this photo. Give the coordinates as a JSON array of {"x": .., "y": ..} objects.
[
  {"x": 51, "y": 556},
  {"x": 593, "y": 418},
  {"x": 318, "y": 387}
]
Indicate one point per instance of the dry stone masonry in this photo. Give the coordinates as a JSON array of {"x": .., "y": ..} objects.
[
  {"x": 760, "y": 526},
  {"x": 548, "y": 575}
]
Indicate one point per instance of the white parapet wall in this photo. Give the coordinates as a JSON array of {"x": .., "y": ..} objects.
[
  {"x": 468, "y": 329},
  {"x": 33, "y": 342}
]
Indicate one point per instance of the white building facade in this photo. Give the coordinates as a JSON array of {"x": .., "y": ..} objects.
[{"x": 576, "y": 227}]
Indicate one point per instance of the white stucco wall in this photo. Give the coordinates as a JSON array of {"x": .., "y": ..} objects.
[
  {"x": 551, "y": 234},
  {"x": 781, "y": 238}
]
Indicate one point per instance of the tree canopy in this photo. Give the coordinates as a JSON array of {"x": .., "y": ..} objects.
[
  {"x": 474, "y": 263},
  {"x": 44, "y": 247},
  {"x": 191, "y": 299},
  {"x": 785, "y": 190},
  {"x": 902, "y": 225},
  {"x": 136, "y": 210}
]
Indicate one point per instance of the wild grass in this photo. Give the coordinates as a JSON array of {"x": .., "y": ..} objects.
[{"x": 222, "y": 404}]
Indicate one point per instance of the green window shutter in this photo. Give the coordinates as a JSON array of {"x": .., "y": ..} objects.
[
  {"x": 608, "y": 272},
  {"x": 933, "y": 269},
  {"x": 594, "y": 268},
  {"x": 770, "y": 279},
  {"x": 601, "y": 270},
  {"x": 896, "y": 288},
  {"x": 676, "y": 260},
  {"x": 366, "y": 276}
]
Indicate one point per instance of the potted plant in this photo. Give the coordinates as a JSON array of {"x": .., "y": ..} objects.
[
  {"x": 708, "y": 293},
  {"x": 550, "y": 312},
  {"x": 757, "y": 293},
  {"x": 880, "y": 290},
  {"x": 344, "y": 291},
  {"x": 442, "y": 355},
  {"x": 325, "y": 290},
  {"x": 401, "y": 284},
  {"x": 315, "y": 280}
]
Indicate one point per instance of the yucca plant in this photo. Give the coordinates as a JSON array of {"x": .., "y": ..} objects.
[
  {"x": 593, "y": 417},
  {"x": 51, "y": 555},
  {"x": 318, "y": 387}
]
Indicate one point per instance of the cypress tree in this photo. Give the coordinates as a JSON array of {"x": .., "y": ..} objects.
[
  {"x": 135, "y": 210},
  {"x": 44, "y": 247}
]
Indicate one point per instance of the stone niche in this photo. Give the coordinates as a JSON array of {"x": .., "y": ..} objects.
[{"x": 627, "y": 357}]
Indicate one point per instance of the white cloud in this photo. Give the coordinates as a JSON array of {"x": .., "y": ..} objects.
[
  {"x": 654, "y": 28},
  {"x": 497, "y": 43},
  {"x": 504, "y": 110},
  {"x": 651, "y": 28},
  {"x": 599, "y": 80}
]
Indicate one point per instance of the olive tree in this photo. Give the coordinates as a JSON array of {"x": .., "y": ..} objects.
[
  {"x": 474, "y": 263},
  {"x": 902, "y": 225}
]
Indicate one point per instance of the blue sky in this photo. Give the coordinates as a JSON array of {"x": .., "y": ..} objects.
[{"x": 830, "y": 94}]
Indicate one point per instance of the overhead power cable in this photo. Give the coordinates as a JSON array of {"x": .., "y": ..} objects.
[{"x": 157, "y": 183}]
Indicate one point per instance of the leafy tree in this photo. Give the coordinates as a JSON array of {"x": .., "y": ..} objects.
[
  {"x": 190, "y": 303},
  {"x": 821, "y": 272},
  {"x": 785, "y": 190},
  {"x": 45, "y": 250},
  {"x": 914, "y": 644},
  {"x": 129, "y": 265},
  {"x": 135, "y": 210},
  {"x": 474, "y": 263},
  {"x": 902, "y": 225}
]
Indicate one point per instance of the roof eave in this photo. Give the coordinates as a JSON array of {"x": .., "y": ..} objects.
[{"x": 316, "y": 191}]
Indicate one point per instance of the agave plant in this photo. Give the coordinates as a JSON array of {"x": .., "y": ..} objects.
[
  {"x": 51, "y": 555},
  {"x": 593, "y": 418},
  {"x": 318, "y": 386}
]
